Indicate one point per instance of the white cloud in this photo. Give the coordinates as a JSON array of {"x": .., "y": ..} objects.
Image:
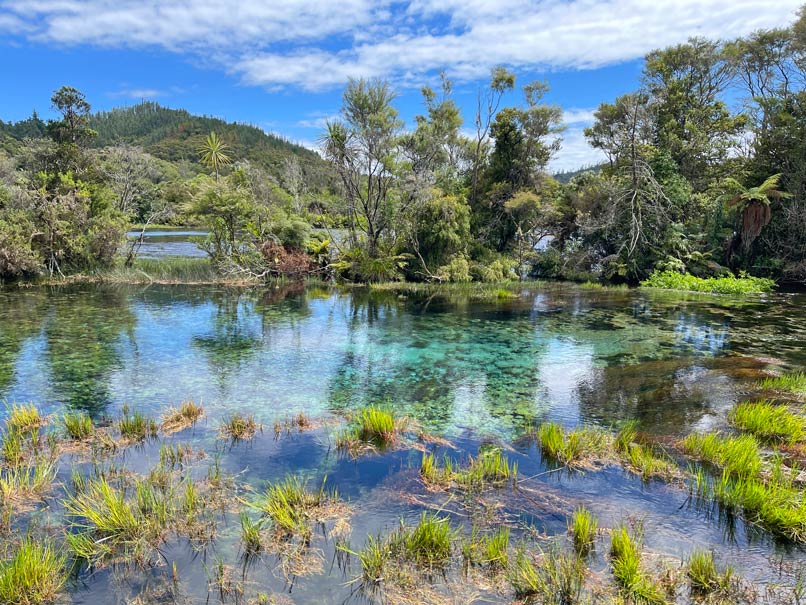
[
  {"x": 138, "y": 93},
  {"x": 318, "y": 44},
  {"x": 574, "y": 115},
  {"x": 575, "y": 152}
]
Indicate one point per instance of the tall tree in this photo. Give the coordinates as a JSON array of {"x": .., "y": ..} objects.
[
  {"x": 213, "y": 153},
  {"x": 363, "y": 147}
]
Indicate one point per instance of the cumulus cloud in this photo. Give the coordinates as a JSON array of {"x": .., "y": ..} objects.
[{"x": 315, "y": 45}]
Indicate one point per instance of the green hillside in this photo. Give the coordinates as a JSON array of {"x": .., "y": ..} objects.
[{"x": 175, "y": 135}]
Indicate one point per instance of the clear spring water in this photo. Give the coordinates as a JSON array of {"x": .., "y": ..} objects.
[{"x": 464, "y": 368}]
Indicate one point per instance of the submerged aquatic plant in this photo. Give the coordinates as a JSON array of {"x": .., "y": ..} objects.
[{"x": 34, "y": 575}]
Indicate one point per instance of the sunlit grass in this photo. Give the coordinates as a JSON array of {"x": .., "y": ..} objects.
[
  {"x": 25, "y": 482},
  {"x": 250, "y": 534},
  {"x": 583, "y": 530},
  {"x": 373, "y": 426},
  {"x": 572, "y": 447},
  {"x": 78, "y": 425},
  {"x": 625, "y": 553},
  {"x": 559, "y": 579},
  {"x": 176, "y": 419},
  {"x": 672, "y": 280},
  {"x": 135, "y": 426},
  {"x": 290, "y": 504},
  {"x": 704, "y": 575},
  {"x": 768, "y": 421},
  {"x": 239, "y": 427},
  {"x": 490, "y": 468},
  {"x": 23, "y": 418},
  {"x": 788, "y": 383},
  {"x": 739, "y": 456},
  {"x": 34, "y": 575}
]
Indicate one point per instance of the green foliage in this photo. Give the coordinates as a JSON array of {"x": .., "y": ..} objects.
[
  {"x": 625, "y": 553},
  {"x": 374, "y": 426},
  {"x": 571, "y": 447},
  {"x": 136, "y": 426},
  {"x": 34, "y": 575},
  {"x": 671, "y": 280},
  {"x": 788, "y": 383},
  {"x": 704, "y": 574},
  {"x": 738, "y": 456},
  {"x": 78, "y": 425},
  {"x": 429, "y": 542},
  {"x": 583, "y": 530},
  {"x": 768, "y": 421}
]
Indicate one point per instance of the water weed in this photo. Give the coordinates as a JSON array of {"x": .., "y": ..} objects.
[{"x": 135, "y": 426}]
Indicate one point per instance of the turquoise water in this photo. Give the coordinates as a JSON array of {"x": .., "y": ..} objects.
[
  {"x": 471, "y": 368},
  {"x": 674, "y": 362}
]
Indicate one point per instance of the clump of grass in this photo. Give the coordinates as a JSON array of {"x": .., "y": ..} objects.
[
  {"x": 768, "y": 421},
  {"x": 503, "y": 294},
  {"x": 291, "y": 505},
  {"x": 625, "y": 554},
  {"x": 572, "y": 448},
  {"x": 643, "y": 459},
  {"x": 106, "y": 520},
  {"x": 739, "y": 456},
  {"x": 78, "y": 425},
  {"x": 250, "y": 535},
  {"x": 34, "y": 575},
  {"x": 429, "y": 543},
  {"x": 20, "y": 483},
  {"x": 788, "y": 383},
  {"x": 704, "y": 575},
  {"x": 375, "y": 558},
  {"x": 495, "y": 548},
  {"x": 239, "y": 427},
  {"x": 372, "y": 426},
  {"x": 583, "y": 530},
  {"x": 490, "y": 467},
  {"x": 176, "y": 419},
  {"x": 135, "y": 426},
  {"x": 12, "y": 449},
  {"x": 24, "y": 418},
  {"x": 559, "y": 580}
]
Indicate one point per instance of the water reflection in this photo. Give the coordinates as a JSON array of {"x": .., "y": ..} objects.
[{"x": 453, "y": 362}]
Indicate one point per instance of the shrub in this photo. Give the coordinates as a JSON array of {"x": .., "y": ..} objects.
[{"x": 672, "y": 280}]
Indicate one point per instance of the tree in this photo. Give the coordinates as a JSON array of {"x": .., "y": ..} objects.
[
  {"x": 213, "y": 153},
  {"x": 73, "y": 128},
  {"x": 362, "y": 147},
  {"x": 753, "y": 204}
]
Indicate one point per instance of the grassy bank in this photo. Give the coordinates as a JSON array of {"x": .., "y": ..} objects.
[{"x": 671, "y": 280}]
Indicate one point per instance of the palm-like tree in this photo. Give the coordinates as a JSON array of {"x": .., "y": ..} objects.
[
  {"x": 754, "y": 205},
  {"x": 213, "y": 153}
]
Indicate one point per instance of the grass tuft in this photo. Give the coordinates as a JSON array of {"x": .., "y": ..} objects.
[
  {"x": 372, "y": 426},
  {"x": 23, "y": 418},
  {"x": 738, "y": 456},
  {"x": 239, "y": 427},
  {"x": 583, "y": 530},
  {"x": 625, "y": 552},
  {"x": 34, "y": 575},
  {"x": 78, "y": 426},
  {"x": 135, "y": 426},
  {"x": 176, "y": 419},
  {"x": 572, "y": 448},
  {"x": 788, "y": 383},
  {"x": 768, "y": 421},
  {"x": 704, "y": 575}
]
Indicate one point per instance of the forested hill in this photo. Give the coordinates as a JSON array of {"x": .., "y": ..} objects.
[{"x": 176, "y": 134}]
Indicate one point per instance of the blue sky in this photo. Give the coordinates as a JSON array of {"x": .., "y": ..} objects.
[{"x": 282, "y": 64}]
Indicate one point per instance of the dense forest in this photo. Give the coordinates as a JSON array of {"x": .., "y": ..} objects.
[{"x": 705, "y": 175}]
